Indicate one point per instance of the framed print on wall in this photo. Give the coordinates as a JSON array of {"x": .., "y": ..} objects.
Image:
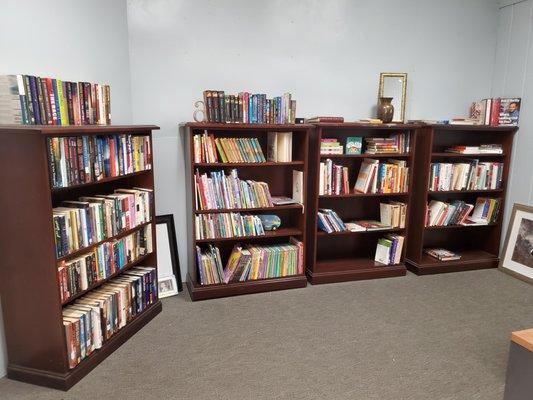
[
  {"x": 517, "y": 258},
  {"x": 168, "y": 264}
]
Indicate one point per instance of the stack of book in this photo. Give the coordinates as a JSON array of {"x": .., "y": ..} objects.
[
  {"x": 333, "y": 179},
  {"x": 249, "y": 108},
  {"x": 250, "y": 263},
  {"x": 78, "y": 224},
  {"x": 389, "y": 177},
  {"x": 442, "y": 254},
  {"x": 495, "y": 112},
  {"x": 218, "y": 190},
  {"x": 393, "y": 214},
  {"x": 328, "y": 221},
  {"x": 32, "y": 100},
  {"x": 279, "y": 145},
  {"x": 472, "y": 175},
  {"x": 330, "y": 146},
  {"x": 96, "y": 317},
  {"x": 366, "y": 225},
  {"x": 440, "y": 213},
  {"x": 389, "y": 249},
  {"x": 86, "y": 159},
  {"x": 227, "y": 225},
  {"x": 101, "y": 262},
  {"x": 486, "y": 211},
  {"x": 396, "y": 143},
  {"x": 481, "y": 149},
  {"x": 231, "y": 150}
]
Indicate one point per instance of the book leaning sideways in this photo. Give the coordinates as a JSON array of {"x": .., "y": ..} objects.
[{"x": 509, "y": 111}]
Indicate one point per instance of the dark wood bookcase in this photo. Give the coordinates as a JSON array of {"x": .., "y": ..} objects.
[
  {"x": 31, "y": 302},
  {"x": 478, "y": 246},
  {"x": 346, "y": 256},
  {"x": 278, "y": 175}
]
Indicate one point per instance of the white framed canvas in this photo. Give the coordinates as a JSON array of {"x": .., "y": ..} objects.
[{"x": 167, "y": 252}]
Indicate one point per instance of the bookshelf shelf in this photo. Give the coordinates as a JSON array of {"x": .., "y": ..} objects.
[
  {"x": 39, "y": 356},
  {"x": 343, "y": 256},
  {"x": 278, "y": 176},
  {"x": 87, "y": 249},
  {"x": 474, "y": 243}
]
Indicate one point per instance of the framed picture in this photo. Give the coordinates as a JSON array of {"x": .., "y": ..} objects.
[
  {"x": 167, "y": 287},
  {"x": 168, "y": 264},
  {"x": 518, "y": 251}
]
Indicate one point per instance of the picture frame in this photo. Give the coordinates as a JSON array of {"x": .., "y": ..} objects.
[
  {"x": 168, "y": 264},
  {"x": 517, "y": 259},
  {"x": 167, "y": 286},
  {"x": 394, "y": 84}
]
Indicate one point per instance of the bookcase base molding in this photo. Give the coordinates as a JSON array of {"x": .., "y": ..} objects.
[
  {"x": 470, "y": 261},
  {"x": 370, "y": 272},
  {"x": 205, "y": 292}
]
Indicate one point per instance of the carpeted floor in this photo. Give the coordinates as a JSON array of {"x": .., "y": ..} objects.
[{"x": 439, "y": 337}]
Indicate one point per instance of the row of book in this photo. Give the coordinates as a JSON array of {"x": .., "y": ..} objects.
[
  {"x": 476, "y": 149},
  {"x": 485, "y": 211},
  {"x": 226, "y": 225},
  {"x": 395, "y": 143},
  {"x": 389, "y": 249},
  {"x": 329, "y": 221},
  {"x": 391, "y": 176},
  {"x": 217, "y": 190},
  {"x": 472, "y": 175},
  {"x": 100, "y": 263},
  {"x": 495, "y": 112},
  {"x": 85, "y": 159},
  {"x": 251, "y": 262},
  {"x": 96, "y": 317},
  {"x": 33, "y": 100},
  {"x": 248, "y": 108},
  {"x": 89, "y": 220},
  {"x": 333, "y": 179}
]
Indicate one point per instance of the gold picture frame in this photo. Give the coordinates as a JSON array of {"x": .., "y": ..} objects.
[{"x": 390, "y": 85}]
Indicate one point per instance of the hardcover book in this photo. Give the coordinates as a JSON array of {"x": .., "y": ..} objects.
[{"x": 354, "y": 145}]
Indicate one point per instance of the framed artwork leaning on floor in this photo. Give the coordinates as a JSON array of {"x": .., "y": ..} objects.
[{"x": 169, "y": 273}]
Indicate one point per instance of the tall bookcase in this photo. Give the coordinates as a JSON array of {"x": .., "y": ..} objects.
[
  {"x": 345, "y": 256},
  {"x": 31, "y": 302},
  {"x": 278, "y": 175},
  {"x": 478, "y": 245}
]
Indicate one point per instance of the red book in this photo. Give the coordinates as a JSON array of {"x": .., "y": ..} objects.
[
  {"x": 50, "y": 94},
  {"x": 495, "y": 112}
]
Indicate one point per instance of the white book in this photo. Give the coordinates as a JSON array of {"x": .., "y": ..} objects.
[{"x": 297, "y": 186}]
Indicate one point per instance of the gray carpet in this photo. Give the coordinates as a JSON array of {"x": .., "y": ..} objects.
[{"x": 434, "y": 337}]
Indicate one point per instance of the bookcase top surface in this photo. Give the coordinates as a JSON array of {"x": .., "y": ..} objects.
[
  {"x": 474, "y": 128},
  {"x": 232, "y": 126},
  {"x": 74, "y": 129},
  {"x": 365, "y": 125}
]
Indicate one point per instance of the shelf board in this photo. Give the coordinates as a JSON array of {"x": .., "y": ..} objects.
[
  {"x": 87, "y": 249},
  {"x": 351, "y": 269},
  {"x": 69, "y": 379},
  {"x": 249, "y": 164},
  {"x": 204, "y": 292},
  {"x": 459, "y": 155},
  {"x": 268, "y": 234},
  {"x": 470, "y": 260},
  {"x": 366, "y": 155},
  {"x": 349, "y": 195},
  {"x": 350, "y": 233},
  {"x": 465, "y": 191},
  {"x": 229, "y": 210},
  {"x": 101, "y": 282},
  {"x": 436, "y": 228},
  {"x": 110, "y": 179},
  {"x": 234, "y": 126}
]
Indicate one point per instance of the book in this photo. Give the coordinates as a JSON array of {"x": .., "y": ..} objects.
[
  {"x": 395, "y": 143},
  {"x": 216, "y": 190},
  {"x": 391, "y": 176},
  {"x": 509, "y": 111},
  {"x": 393, "y": 214},
  {"x": 354, "y": 145},
  {"x": 383, "y": 250},
  {"x": 33, "y": 100},
  {"x": 100, "y": 314},
  {"x": 208, "y": 149},
  {"x": 330, "y": 146},
  {"x": 442, "y": 254},
  {"x": 485, "y": 211},
  {"x": 333, "y": 179},
  {"x": 366, "y": 175},
  {"x": 439, "y": 213},
  {"x": 314, "y": 120},
  {"x": 479, "y": 149},
  {"x": 282, "y": 200},
  {"x": 226, "y": 225},
  {"x": 389, "y": 249},
  {"x": 369, "y": 225},
  {"x": 246, "y": 107},
  {"x": 279, "y": 145},
  {"x": 298, "y": 186},
  {"x": 471, "y": 175},
  {"x": 329, "y": 222}
]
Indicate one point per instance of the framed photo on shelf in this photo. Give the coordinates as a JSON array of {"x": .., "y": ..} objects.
[
  {"x": 517, "y": 257},
  {"x": 168, "y": 264}
]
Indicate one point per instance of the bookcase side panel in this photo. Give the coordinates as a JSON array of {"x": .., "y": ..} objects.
[{"x": 28, "y": 285}]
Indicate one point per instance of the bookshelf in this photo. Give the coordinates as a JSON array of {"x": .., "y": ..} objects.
[
  {"x": 278, "y": 175},
  {"x": 346, "y": 256},
  {"x": 478, "y": 245},
  {"x": 31, "y": 301}
]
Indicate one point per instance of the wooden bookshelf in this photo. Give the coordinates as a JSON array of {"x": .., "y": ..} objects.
[
  {"x": 478, "y": 245},
  {"x": 346, "y": 256},
  {"x": 278, "y": 175},
  {"x": 31, "y": 301}
]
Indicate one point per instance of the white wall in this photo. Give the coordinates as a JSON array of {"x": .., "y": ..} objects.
[
  {"x": 72, "y": 40},
  {"x": 328, "y": 54},
  {"x": 513, "y": 77}
]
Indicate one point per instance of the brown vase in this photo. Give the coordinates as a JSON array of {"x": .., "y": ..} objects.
[{"x": 385, "y": 109}]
